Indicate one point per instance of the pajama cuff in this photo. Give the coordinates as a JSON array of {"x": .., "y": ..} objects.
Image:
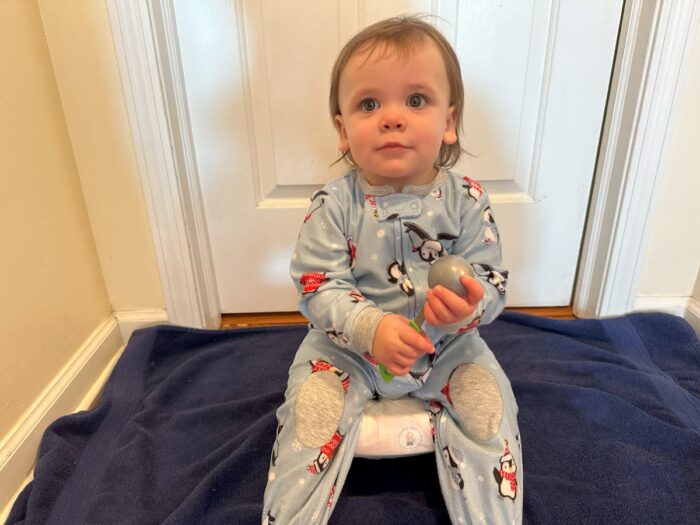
[{"x": 364, "y": 327}]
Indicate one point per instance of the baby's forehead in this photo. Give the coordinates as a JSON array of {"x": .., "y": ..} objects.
[{"x": 380, "y": 49}]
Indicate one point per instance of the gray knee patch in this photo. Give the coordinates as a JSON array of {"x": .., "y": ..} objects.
[
  {"x": 318, "y": 408},
  {"x": 477, "y": 400}
]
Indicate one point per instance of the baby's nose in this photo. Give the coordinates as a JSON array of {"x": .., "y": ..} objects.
[{"x": 392, "y": 120}]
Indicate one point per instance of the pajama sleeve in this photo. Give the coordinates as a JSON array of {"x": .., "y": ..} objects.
[
  {"x": 479, "y": 244},
  {"x": 321, "y": 269}
]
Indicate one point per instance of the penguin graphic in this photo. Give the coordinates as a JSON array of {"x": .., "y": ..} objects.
[
  {"x": 498, "y": 279},
  {"x": 490, "y": 231},
  {"x": 422, "y": 367},
  {"x": 312, "y": 281},
  {"x": 505, "y": 476},
  {"x": 356, "y": 297},
  {"x": 315, "y": 206},
  {"x": 352, "y": 252},
  {"x": 318, "y": 365},
  {"x": 454, "y": 468},
  {"x": 428, "y": 248},
  {"x": 339, "y": 338},
  {"x": 474, "y": 189},
  {"x": 326, "y": 454},
  {"x": 276, "y": 446},
  {"x": 397, "y": 274}
]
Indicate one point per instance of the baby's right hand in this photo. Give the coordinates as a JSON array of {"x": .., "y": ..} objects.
[{"x": 397, "y": 346}]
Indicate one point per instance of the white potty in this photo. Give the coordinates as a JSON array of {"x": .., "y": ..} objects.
[{"x": 394, "y": 428}]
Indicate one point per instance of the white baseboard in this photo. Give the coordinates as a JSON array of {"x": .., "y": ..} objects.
[
  {"x": 692, "y": 314},
  {"x": 130, "y": 320},
  {"x": 685, "y": 307},
  {"x": 73, "y": 389}
]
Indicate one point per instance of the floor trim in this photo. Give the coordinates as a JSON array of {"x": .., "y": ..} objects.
[
  {"x": 62, "y": 395},
  {"x": 73, "y": 389}
]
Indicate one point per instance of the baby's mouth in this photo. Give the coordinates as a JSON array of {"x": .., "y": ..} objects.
[{"x": 393, "y": 146}]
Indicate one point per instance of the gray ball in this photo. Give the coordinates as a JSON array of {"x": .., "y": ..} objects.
[{"x": 447, "y": 271}]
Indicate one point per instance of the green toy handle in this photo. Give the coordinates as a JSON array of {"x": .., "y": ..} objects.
[{"x": 387, "y": 376}]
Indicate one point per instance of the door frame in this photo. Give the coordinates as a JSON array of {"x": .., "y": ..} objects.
[{"x": 654, "y": 44}]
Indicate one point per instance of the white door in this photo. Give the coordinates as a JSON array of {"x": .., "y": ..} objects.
[{"x": 536, "y": 76}]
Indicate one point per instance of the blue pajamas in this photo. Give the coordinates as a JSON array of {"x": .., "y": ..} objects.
[{"x": 364, "y": 251}]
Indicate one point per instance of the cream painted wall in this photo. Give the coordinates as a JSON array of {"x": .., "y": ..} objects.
[
  {"x": 80, "y": 44},
  {"x": 670, "y": 266},
  {"x": 52, "y": 293}
]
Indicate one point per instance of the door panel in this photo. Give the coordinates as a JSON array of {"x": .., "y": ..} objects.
[{"x": 536, "y": 76}]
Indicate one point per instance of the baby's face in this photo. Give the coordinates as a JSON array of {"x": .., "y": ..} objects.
[{"x": 395, "y": 114}]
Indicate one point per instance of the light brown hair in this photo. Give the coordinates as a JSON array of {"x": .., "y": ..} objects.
[{"x": 401, "y": 35}]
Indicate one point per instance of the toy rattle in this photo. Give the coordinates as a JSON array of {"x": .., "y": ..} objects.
[{"x": 446, "y": 271}]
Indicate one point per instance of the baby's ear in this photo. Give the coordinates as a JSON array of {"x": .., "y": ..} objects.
[
  {"x": 343, "y": 145},
  {"x": 450, "y": 135}
]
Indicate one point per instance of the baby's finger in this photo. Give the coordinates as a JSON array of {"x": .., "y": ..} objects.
[
  {"x": 417, "y": 342},
  {"x": 447, "y": 305},
  {"x": 475, "y": 292},
  {"x": 405, "y": 357},
  {"x": 398, "y": 370},
  {"x": 430, "y": 316}
]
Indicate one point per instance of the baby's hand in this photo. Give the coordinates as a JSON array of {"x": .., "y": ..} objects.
[
  {"x": 445, "y": 307},
  {"x": 397, "y": 346}
]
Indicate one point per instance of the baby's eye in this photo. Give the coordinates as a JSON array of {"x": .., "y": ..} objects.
[
  {"x": 369, "y": 104},
  {"x": 416, "y": 101}
]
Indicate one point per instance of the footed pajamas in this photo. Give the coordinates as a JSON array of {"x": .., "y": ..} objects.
[{"x": 364, "y": 251}]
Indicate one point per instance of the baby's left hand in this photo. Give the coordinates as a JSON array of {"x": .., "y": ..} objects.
[{"x": 445, "y": 307}]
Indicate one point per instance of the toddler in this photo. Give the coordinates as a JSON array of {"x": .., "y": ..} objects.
[{"x": 361, "y": 264}]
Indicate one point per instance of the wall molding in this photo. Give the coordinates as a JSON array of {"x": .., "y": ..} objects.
[
  {"x": 686, "y": 307},
  {"x": 62, "y": 395},
  {"x": 675, "y": 305},
  {"x": 145, "y": 41},
  {"x": 74, "y": 388},
  {"x": 655, "y": 43},
  {"x": 692, "y": 314},
  {"x": 131, "y": 320}
]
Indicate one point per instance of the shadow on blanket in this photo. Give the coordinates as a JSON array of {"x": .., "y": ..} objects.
[{"x": 609, "y": 419}]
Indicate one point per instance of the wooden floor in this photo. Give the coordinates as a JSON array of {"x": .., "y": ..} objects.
[{"x": 282, "y": 318}]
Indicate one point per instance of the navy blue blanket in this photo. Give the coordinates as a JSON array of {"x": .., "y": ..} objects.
[{"x": 609, "y": 420}]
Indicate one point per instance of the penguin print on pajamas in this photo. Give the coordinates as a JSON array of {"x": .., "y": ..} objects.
[
  {"x": 373, "y": 205},
  {"x": 352, "y": 252},
  {"x": 454, "y": 468},
  {"x": 490, "y": 231},
  {"x": 339, "y": 338},
  {"x": 356, "y": 297},
  {"x": 497, "y": 279},
  {"x": 326, "y": 454},
  {"x": 421, "y": 369},
  {"x": 312, "y": 281},
  {"x": 428, "y": 248},
  {"x": 276, "y": 446},
  {"x": 317, "y": 201},
  {"x": 474, "y": 189},
  {"x": 505, "y": 475},
  {"x": 318, "y": 365},
  {"x": 397, "y": 275}
]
